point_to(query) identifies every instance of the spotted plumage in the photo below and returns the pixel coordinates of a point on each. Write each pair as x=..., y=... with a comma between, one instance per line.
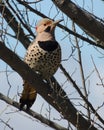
x=43, y=56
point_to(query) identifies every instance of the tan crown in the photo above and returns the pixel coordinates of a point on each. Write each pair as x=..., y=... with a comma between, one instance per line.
x=44, y=23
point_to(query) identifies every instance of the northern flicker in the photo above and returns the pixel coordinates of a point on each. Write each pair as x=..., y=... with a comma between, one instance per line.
x=43, y=56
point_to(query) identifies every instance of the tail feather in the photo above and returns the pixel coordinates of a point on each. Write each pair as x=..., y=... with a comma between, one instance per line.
x=28, y=96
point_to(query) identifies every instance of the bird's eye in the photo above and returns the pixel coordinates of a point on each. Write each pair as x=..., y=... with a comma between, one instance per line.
x=45, y=24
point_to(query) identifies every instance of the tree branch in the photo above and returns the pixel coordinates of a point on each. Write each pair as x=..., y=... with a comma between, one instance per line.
x=80, y=93
x=58, y=100
x=11, y=20
x=60, y=26
x=32, y=113
x=14, y=24
x=21, y=21
x=84, y=19
x=81, y=70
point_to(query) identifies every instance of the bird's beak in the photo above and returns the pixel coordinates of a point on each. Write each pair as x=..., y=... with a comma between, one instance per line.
x=54, y=24
x=57, y=21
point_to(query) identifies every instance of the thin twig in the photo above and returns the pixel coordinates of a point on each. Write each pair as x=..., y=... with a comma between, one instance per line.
x=101, y=80
x=36, y=1
x=6, y=124
x=26, y=27
x=81, y=70
x=7, y=78
x=80, y=93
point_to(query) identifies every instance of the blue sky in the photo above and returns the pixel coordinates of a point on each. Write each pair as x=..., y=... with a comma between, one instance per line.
x=19, y=120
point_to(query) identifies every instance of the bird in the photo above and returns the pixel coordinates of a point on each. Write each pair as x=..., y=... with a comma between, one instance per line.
x=43, y=56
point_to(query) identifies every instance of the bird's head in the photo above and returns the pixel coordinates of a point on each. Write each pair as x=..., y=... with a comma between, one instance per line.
x=46, y=25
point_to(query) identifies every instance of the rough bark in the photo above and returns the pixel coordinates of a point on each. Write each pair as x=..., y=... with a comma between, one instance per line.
x=84, y=19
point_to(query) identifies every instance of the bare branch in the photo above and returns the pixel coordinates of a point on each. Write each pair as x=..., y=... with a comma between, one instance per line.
x=21, y=21
x=6, y=124
x=11, y=20
x=81, y=70
x=31, y=113
x=37, y=1
x=22, y=36
x=101, y=80
x=89, y=24
x=80, y=93
x=61, y=26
